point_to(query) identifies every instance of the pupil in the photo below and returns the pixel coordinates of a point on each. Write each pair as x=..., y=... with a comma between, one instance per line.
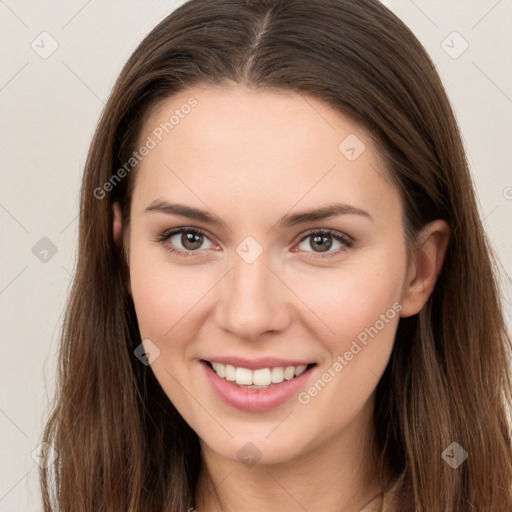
x=191, y=241
x=323, y=242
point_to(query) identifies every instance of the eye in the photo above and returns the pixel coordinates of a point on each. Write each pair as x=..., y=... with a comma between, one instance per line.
x=321, y=241
x=191, y=239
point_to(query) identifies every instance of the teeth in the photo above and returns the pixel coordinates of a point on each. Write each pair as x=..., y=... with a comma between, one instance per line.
x=300, y=369
x=277, y=375
x=229, y=371
x=289, y=372
x=243, y=376
x=260, y=378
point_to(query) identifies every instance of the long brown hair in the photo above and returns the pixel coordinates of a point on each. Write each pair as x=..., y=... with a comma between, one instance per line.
x=121, y=444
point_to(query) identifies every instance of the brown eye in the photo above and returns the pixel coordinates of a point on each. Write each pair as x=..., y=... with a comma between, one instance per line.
x=184, y=241
x=191, y=241
x=321, y=241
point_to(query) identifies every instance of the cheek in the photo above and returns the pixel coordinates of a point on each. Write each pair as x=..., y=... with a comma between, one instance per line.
x=347, y=300
x=163, y=293
x=361, y=311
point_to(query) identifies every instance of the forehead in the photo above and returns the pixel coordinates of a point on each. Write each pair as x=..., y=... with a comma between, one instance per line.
x=275, y=147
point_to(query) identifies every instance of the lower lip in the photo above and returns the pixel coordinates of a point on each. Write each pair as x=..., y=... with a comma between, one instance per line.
x=255, y=400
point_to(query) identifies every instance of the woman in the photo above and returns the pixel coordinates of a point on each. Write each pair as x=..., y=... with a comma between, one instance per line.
x=213, y=358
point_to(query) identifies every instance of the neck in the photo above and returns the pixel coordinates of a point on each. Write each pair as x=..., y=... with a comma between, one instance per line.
x=339, y=476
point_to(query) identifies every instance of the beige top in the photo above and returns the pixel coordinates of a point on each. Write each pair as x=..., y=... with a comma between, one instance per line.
x=376, y=505
x=381, y=503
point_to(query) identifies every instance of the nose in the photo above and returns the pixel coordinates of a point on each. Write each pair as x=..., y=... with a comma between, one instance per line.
x=252, y=300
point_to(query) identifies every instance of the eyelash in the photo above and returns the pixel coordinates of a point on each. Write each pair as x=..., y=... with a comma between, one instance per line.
x=342, y=239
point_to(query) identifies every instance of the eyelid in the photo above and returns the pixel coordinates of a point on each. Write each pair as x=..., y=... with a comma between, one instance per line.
x=174, y=231
x=332, y=232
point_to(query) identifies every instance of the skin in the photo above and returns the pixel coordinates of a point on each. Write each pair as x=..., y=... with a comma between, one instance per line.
x=249, y=157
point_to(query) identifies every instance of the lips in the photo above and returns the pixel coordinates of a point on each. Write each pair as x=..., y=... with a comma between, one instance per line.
x=256, y=364
x=255, y=398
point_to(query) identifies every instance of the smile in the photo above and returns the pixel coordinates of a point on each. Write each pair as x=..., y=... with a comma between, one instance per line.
x=255, y=390
x=262, y=378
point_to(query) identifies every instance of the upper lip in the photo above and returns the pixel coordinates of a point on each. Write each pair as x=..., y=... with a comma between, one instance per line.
x=256, y=364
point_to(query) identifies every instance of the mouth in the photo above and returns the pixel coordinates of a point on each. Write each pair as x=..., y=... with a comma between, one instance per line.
x=261, y=378
x=253, y=390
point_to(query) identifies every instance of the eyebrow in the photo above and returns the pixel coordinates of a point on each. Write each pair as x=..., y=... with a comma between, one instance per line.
x=286, y=221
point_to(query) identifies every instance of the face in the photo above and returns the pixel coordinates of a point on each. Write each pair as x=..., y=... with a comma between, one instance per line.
x=255, y=283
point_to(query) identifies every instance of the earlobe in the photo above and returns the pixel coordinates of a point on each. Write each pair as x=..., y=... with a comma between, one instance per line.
x=117, y=229
x=425, y=265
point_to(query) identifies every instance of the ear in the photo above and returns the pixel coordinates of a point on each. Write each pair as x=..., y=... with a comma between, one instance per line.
x=425, y=265
x=117, y=228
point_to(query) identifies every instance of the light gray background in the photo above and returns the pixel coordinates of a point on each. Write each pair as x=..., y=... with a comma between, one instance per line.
x=49, y=109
